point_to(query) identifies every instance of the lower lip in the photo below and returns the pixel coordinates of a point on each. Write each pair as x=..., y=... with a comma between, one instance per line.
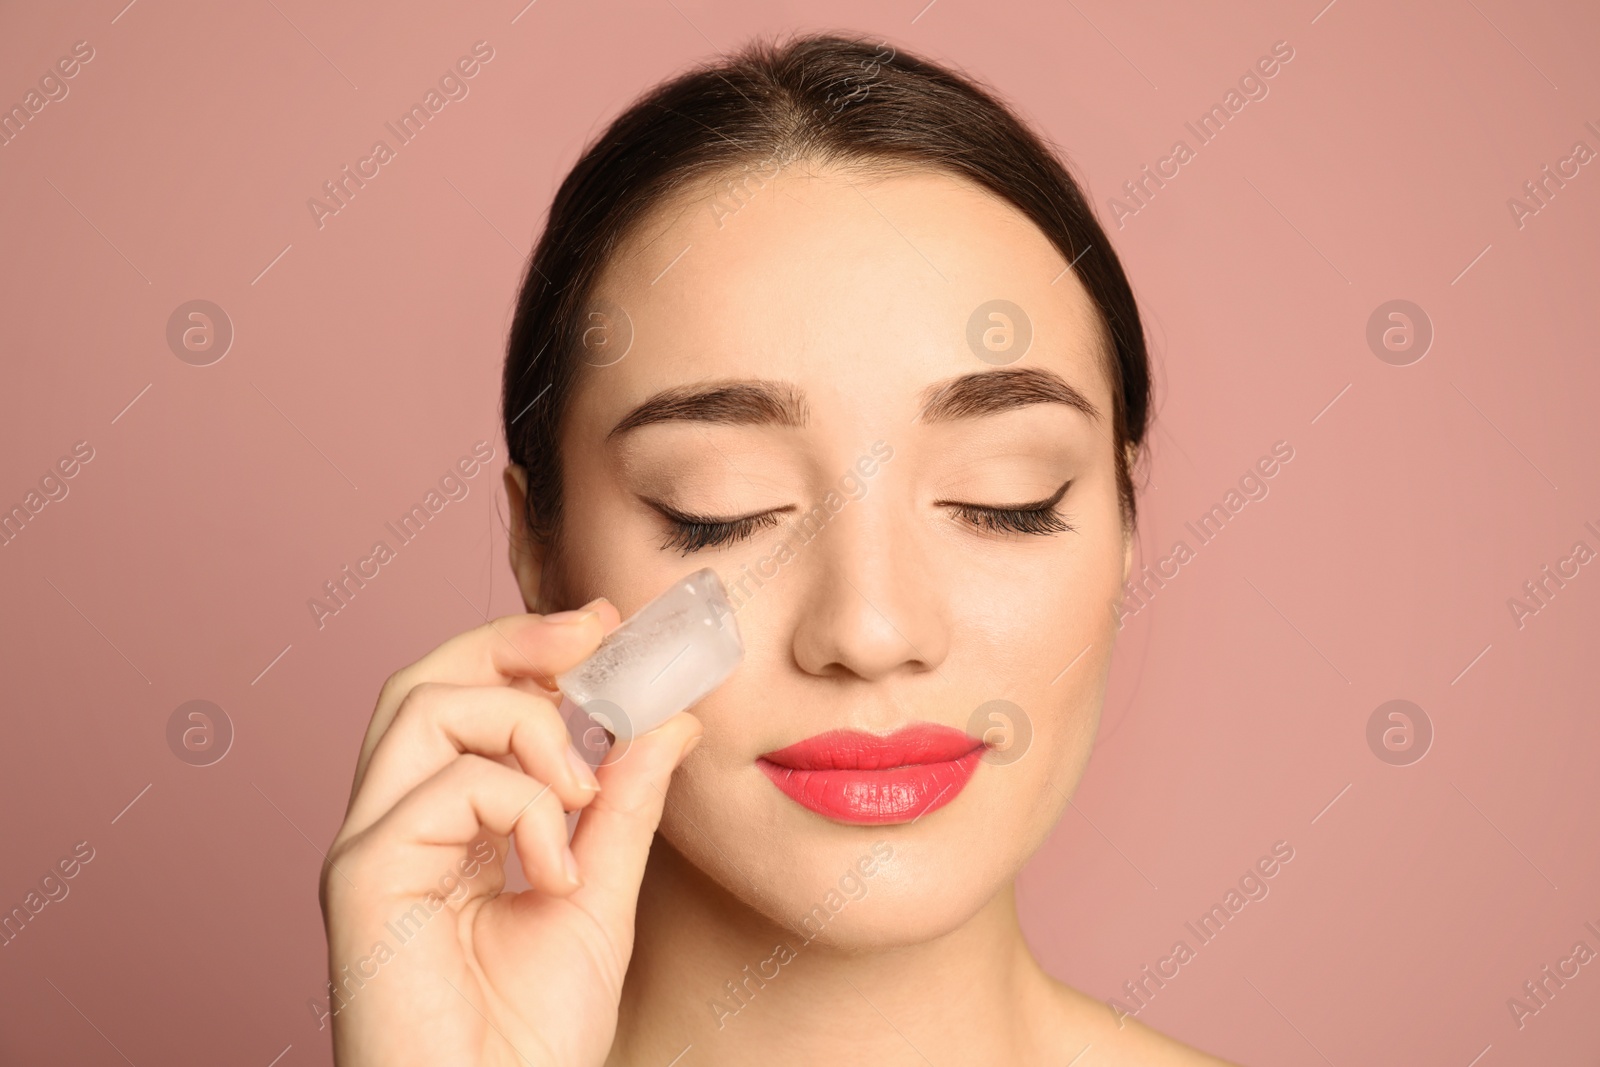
x=892, y=795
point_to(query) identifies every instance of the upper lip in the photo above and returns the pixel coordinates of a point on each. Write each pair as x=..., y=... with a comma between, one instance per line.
x=856, y=750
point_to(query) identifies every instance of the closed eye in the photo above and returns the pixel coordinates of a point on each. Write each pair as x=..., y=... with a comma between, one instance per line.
x=1037, y=518
x=693, y=533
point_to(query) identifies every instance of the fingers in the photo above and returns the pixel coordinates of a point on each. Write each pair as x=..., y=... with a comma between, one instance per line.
x=458, y=804
x=437, y=722
x=515, y=648
x=429, y=778
x=612, y=841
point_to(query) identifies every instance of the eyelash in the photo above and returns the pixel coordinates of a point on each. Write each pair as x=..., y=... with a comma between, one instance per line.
x=1036, y=521
x=692, y=534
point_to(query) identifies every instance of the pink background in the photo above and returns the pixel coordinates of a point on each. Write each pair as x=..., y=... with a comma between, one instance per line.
x=366, y=361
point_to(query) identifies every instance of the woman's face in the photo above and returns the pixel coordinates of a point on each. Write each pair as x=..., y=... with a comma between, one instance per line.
x=919, y=593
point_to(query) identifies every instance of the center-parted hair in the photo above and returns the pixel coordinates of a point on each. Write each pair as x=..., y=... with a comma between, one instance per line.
x=832, y=99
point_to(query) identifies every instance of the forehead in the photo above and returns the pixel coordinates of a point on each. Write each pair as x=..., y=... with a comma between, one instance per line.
x=858, y=289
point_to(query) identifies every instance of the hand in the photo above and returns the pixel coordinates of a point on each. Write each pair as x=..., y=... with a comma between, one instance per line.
x=431, y=962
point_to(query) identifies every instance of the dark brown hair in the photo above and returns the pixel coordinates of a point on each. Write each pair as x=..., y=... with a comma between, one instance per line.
x=839, y=100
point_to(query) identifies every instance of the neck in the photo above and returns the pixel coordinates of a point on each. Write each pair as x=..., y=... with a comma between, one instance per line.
x=708, y=971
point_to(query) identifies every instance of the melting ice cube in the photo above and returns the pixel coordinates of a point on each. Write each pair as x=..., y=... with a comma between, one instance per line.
x=661, y=660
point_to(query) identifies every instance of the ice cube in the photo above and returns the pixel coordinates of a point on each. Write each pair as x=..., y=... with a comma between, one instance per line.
x=662, y=659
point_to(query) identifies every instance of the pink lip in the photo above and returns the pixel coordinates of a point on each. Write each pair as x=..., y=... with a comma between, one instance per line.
x=857, y=777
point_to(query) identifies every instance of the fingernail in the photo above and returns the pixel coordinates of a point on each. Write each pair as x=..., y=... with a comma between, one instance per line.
x=582, y=775
x=569, y=866
x=571, y=618
x=688, y=748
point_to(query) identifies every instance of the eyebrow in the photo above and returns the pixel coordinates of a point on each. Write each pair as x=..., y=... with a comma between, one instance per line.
x=761, y=402
x=991, y=392
x=743, y=402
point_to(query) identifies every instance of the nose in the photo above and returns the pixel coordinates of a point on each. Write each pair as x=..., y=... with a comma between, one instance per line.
x=873, y=605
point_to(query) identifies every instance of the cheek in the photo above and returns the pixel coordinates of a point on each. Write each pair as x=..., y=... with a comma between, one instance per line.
x=1033, y=623
x=1045, y=644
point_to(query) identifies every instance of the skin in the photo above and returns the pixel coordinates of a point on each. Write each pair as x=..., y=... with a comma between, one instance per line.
x=855, y=290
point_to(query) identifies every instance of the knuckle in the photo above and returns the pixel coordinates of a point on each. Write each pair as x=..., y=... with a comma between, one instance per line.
x=501, y=628
x=541, y=717
x=322, y=888
x=394, y=687
x=420, y=700
x=643, y=811
x=343, y=857
x=474, y=770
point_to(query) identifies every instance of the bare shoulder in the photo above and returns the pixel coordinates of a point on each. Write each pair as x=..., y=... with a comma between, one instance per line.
x=1072, y=1017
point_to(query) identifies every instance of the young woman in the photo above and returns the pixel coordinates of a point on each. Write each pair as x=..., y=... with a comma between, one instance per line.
x=830, y=320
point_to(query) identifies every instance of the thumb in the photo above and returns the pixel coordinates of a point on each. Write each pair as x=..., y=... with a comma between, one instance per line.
x=612, y=840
